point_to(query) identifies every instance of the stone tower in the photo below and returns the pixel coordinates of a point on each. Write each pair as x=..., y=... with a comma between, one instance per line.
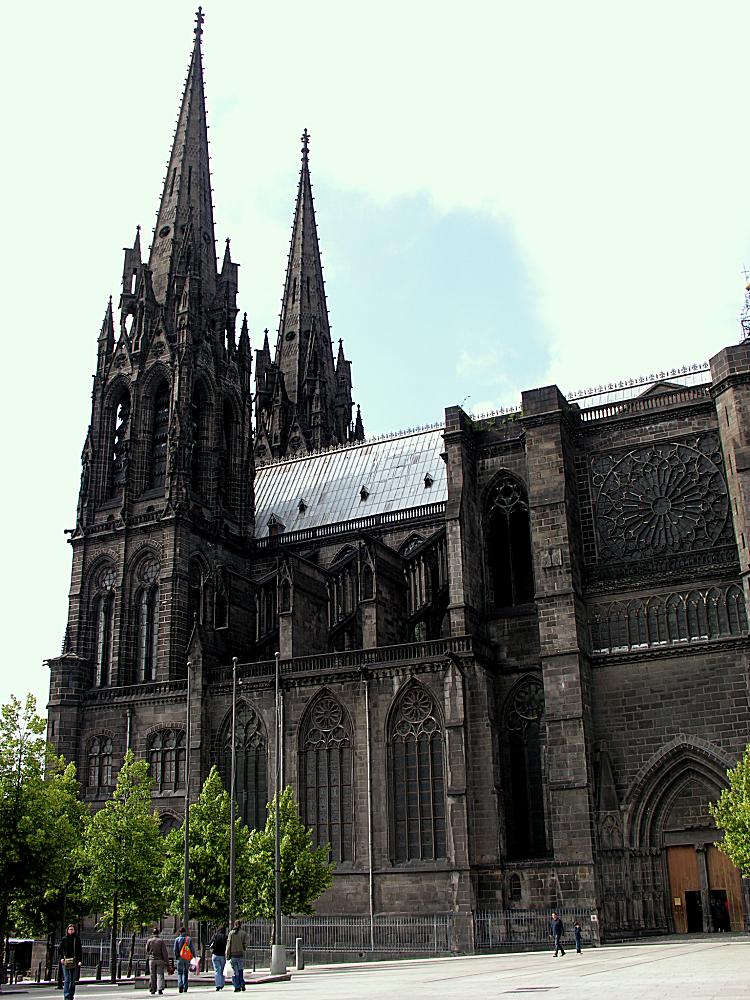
x=303, y=401
x=166, y=497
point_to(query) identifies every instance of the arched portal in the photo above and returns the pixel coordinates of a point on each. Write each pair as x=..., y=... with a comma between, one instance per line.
x=667, y=820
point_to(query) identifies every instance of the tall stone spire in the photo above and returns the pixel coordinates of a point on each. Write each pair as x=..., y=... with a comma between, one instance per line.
x=303, y=401
x=303, y=348
x=184, y=235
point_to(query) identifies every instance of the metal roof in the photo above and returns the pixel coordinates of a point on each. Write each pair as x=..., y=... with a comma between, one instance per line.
x=329, y=483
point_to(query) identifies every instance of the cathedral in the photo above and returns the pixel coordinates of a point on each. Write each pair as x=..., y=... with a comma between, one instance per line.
x=513, y=649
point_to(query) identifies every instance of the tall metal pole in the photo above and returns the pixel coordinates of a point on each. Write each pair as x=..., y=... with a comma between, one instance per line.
x=277, y=844
x=278, y=951
x=233, y=781
x=186, y=889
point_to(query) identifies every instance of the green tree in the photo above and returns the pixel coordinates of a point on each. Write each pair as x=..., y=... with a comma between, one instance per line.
x=209, y=857
x=305, y=870
x=40, y=823
x=122, y=855
x=732, y=815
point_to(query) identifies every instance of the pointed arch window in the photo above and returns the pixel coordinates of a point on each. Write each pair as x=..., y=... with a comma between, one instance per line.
x=199, y=430
x=417, y=778
x=99, y=760
x=325, y=769
x=524, y=771
x=251, y=787
x=118, y=472
x=147, y=609
x=159, y=437
x=166, y=759
x=103, y=615
x=227, y=454
x=196, y=592
x=508, y=539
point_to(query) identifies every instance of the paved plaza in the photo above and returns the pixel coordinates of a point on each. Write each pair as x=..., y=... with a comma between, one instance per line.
x=673, y=969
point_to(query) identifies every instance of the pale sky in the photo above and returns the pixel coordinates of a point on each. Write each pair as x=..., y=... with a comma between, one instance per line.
x=508, y=194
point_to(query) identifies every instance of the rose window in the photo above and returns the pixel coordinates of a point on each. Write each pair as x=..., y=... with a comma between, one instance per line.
x=660, y=499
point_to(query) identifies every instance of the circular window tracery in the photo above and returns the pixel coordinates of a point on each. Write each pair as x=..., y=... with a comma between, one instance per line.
x=149, y=571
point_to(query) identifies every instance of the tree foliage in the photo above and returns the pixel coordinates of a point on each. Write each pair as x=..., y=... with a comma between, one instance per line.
x=122, y=852
x=40, y=822
x=209, y=857
x=305, y=870
x=732, y=815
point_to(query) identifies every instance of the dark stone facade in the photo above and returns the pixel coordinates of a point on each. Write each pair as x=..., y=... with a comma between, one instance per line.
x=518, y=681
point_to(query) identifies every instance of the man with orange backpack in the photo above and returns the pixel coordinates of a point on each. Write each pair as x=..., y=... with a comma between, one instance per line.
x=183, y=952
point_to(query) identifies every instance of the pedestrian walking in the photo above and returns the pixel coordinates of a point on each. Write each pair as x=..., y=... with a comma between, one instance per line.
x=158, y=960
x=236, y=944
x=183, y=952
x=218, y=948
x=71, y=958
x=557, y=930
x=577, y=935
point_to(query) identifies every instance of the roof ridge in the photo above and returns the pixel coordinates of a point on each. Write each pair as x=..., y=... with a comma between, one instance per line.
x=376, y=438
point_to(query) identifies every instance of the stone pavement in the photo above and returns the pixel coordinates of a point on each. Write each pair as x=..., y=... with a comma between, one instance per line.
x=711, y=967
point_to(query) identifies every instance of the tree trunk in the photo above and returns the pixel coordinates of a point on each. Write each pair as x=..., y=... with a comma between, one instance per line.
x=3, y=925
x=113, y=944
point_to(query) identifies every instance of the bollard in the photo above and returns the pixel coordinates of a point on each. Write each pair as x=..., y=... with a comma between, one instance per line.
x=39, y=973
x=59, y=985
x=119, y=969
x=299, y=957
x=253, y=961
x=98, y=975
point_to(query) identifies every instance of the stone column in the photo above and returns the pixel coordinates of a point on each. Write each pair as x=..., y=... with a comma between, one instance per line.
x=566, y=670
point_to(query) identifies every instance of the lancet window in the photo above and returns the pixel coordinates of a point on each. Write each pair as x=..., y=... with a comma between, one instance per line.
x=159, y=437
x=147, y=607
x=325, y=769
x=104, y=615
x=508, y=541
x=417, y=777
x=251, y=762
x=118, y=472
x=524, y=771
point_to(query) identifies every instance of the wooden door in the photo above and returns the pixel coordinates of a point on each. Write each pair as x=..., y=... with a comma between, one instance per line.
x=723, y=875
x=683, y=877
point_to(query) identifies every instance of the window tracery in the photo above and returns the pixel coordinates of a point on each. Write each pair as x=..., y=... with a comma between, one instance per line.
x=166, y=758
x=661, y=498
x=524, y=767
x=147, y=604
x=99, y=760
x=104, y=613
x=159, y=437
x=251, y=760
x=508, y=541
x=325, y=768
x=417, y=778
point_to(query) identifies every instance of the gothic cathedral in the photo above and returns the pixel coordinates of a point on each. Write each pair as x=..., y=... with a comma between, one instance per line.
x=514, y=650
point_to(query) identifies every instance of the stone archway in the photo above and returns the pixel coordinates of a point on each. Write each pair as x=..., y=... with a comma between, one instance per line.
x=667, y=820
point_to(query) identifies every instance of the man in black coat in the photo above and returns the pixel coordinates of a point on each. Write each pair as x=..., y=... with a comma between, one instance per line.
x=557, y=930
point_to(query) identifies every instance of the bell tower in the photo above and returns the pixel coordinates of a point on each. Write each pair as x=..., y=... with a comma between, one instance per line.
x=166, y=506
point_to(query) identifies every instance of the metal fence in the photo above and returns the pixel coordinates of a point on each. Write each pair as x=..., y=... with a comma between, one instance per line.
x=495, y=930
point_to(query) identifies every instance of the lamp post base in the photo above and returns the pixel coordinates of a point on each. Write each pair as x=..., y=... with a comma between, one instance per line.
x=278, y=960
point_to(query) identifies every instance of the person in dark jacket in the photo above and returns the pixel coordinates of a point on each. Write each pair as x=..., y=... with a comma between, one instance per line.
x=71, y=957
x=218, y=948
x=557, y=930
x=183, y=962
x=158, y=955
x=577, y=934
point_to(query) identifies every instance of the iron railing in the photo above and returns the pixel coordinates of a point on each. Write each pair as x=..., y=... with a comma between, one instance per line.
x=497, y=930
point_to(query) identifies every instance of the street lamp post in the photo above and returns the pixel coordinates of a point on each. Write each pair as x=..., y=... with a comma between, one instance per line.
x=232, y=780
x=186, y=887
x=278, y=951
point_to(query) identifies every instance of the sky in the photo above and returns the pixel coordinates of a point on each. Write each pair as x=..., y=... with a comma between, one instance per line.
x=507, y=195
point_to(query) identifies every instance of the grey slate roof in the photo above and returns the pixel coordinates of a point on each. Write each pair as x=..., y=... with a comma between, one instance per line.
x=392, y=470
